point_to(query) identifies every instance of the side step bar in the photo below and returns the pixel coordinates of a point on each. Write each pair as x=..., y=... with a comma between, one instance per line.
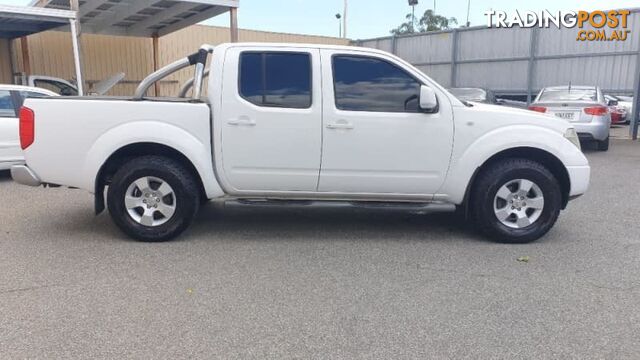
x=433, y=207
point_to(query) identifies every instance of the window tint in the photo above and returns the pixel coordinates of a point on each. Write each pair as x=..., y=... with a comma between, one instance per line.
x=367, y=84
x=6, y=104
x=276, y=79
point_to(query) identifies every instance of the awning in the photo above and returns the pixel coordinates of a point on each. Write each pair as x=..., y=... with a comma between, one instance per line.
x=142, y=18
x=17, y=21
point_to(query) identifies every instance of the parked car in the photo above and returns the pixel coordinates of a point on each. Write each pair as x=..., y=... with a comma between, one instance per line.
x=621, y=107
x=484, y=96
x=306, y=124
x=583, y=106
x=65, y=88
x=474, y=95
x=11, y=99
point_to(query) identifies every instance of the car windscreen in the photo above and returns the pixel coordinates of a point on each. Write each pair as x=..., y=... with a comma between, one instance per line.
x=467, y=94
x=569, y=95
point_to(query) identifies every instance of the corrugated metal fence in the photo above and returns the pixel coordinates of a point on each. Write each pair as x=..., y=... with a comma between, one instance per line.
x=521, y=60
x=515, y=60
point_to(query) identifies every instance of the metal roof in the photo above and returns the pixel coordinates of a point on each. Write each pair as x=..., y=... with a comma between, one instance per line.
x=142, y=18
x=17, y=21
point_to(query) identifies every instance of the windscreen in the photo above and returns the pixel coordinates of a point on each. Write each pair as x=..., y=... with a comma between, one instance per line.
x=467, y=94
x=569, y=95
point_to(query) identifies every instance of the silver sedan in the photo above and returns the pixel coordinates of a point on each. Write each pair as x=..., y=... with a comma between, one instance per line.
x=584, y=106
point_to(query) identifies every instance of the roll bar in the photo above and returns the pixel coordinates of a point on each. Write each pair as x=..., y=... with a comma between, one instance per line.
x=189, y=83
x=199, y=59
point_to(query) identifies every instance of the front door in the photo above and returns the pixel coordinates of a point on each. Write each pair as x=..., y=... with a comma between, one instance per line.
x=271, y=120
x=376, y=138
x=9, y=137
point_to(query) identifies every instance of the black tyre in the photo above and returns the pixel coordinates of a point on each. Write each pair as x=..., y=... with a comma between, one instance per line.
x=603, y=145
x=515, y=201
x=153, y=198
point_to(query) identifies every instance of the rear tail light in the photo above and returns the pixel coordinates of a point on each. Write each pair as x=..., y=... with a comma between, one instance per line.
x=27, y=127
x=541, y=109
x=596, y=110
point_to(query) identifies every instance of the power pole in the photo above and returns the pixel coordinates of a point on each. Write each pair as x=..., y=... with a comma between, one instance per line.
x=344, y=18
x=468, y=11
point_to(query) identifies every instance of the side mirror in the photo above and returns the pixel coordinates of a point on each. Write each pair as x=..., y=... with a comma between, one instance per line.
x=428, y=99
x=613, y=102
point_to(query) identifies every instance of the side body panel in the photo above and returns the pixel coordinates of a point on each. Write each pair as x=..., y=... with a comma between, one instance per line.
x=73, y=138
x=482, y=132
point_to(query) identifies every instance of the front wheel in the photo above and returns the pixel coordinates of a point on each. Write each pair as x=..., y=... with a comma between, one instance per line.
x=516, y=201
x=153, y=198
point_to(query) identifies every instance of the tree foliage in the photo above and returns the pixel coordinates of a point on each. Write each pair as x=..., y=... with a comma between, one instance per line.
x=429, y=21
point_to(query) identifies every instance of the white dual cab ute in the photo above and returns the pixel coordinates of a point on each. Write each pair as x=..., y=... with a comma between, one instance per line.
x=304, y=124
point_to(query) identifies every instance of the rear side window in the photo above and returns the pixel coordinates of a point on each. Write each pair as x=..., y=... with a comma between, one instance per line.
x=369, y=84
x=7, y=108
x=276, y=79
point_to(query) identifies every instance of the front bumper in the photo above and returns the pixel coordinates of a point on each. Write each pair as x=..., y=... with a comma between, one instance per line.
x=25, y=176
x=579, y=176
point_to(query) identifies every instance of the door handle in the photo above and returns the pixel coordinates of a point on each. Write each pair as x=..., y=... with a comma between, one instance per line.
x=340, y=125
x=242, y=122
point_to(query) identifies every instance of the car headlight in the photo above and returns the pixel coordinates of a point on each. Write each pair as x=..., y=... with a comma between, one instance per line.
x=572, y=136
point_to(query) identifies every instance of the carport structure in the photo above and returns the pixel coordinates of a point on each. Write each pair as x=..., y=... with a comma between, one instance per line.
x=138, y=18
x=20, y=21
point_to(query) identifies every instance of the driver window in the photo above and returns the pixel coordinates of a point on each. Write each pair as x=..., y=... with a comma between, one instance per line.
x=370, y=84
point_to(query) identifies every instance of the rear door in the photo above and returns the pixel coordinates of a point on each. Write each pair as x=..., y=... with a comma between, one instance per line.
x=271, y=119
x=9, y=138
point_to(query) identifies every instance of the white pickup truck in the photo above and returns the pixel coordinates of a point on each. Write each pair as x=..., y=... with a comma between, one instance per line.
x=304, y=124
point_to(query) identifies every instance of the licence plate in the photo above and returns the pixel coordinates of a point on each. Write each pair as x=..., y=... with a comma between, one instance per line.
x=565, y=115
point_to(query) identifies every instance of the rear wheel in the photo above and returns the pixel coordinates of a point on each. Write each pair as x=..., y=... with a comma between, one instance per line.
x=153, y=198
x=603, y=145
x=516, y=201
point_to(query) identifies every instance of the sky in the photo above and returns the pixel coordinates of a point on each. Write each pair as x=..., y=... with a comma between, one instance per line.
x=375, y=18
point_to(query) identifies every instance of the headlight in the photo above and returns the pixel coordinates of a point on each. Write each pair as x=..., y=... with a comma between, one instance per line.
x=572, y=136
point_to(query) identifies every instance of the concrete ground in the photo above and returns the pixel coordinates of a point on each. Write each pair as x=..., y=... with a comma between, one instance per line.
x=278, y=283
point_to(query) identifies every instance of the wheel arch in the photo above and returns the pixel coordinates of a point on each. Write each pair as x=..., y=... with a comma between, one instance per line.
x=130, y=151
x=543, y=157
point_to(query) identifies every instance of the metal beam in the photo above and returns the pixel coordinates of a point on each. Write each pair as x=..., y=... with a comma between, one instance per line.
x=233, y=24
x=167, y=14
x=533, y=48
x=36, y=13
x=635, y=111
x=454, y=58
x=156, y=64
x=21, y=28
x=77, y=46
x=122, y=11
x=26, y=61
x=90, y=6
x=215, y=11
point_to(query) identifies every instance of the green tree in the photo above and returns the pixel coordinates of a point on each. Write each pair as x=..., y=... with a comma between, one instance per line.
x=429, y=21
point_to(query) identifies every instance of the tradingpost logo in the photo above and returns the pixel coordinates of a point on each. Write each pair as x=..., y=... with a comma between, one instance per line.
x=605, y=25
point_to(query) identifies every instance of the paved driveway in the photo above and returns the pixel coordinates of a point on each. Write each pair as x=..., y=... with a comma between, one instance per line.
x=318, y=283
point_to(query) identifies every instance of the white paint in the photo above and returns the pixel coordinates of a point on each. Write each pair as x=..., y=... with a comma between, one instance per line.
x=291, y=153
